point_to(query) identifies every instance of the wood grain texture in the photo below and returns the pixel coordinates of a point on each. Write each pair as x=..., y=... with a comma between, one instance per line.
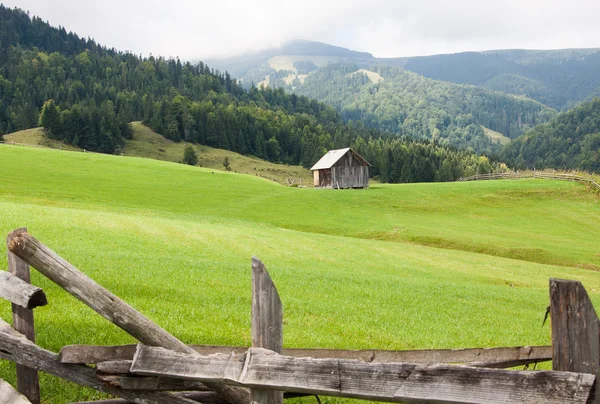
x=151, y=383
x=472, y=356
x=8, y=395
x=458, y=384
x=21, y=293
x=575, y=330
x=28, y=382
x=394, y=382
x=267, y=324
x=104, y=302
x=120, y=367
x=16, y=348
x=197, y=396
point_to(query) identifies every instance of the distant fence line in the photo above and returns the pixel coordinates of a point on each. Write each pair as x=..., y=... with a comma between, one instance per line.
x=515, y=175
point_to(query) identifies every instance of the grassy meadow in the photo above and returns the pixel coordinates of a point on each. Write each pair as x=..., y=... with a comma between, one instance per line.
x=497, y=137
x=390, y=267
x=149, y=144
x=35, y=137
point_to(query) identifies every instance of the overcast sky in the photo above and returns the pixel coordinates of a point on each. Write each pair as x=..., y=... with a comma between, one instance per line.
x=196, y=29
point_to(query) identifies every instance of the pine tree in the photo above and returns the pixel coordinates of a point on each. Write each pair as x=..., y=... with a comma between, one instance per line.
x=51, y=121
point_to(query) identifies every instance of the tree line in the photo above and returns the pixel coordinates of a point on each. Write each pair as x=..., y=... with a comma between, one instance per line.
x=569, y=141
x=409, y=104
x=86, y=95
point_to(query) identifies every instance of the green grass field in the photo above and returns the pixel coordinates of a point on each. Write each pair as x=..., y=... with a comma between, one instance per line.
x=389, y=267
x=149, y=144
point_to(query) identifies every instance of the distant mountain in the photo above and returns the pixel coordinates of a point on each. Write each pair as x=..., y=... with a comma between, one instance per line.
x=403, y=102
x=569, y=141
x=383, y=94
x=557, y=78
x=294, y=58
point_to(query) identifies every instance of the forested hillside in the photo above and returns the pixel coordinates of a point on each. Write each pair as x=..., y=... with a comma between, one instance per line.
x=409, y=104
x=569, y=141
x=557, y=78
x=403, y=102
x=87, y=95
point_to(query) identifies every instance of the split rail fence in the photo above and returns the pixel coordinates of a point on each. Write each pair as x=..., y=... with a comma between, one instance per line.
x=514, y=175
x=162, y=369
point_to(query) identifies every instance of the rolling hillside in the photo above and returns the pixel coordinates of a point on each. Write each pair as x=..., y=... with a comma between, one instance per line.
x=149, y=144
x=160, y=235
x=403, y=102
x=570, y=141
x=297, y=57
x=384, y=94
x=91, y=108
x=558, y=78
x=35, y=137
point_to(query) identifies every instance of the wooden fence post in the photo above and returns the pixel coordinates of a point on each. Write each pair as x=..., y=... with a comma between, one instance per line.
x=575, y=330
x=10, y=395
x=28, y=382
x=105, y=303
x=267, y=324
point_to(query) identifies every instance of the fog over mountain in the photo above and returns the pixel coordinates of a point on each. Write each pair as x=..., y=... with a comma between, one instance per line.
x=386, y=28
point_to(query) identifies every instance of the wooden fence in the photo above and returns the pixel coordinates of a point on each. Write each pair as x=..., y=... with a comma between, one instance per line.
x=162, y=369
x=515, y=175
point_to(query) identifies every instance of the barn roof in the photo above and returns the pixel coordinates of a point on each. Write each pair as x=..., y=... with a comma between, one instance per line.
x=332, y=157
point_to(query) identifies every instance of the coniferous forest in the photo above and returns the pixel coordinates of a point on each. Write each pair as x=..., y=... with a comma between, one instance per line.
x=569, y=141
x=86, y=95
x=406, y=103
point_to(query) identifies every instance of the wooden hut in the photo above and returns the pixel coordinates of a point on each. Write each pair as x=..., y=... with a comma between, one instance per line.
x=343, y=168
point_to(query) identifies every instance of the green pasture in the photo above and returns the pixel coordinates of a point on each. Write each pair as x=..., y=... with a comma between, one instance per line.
x=149, y=144
x=390, y=267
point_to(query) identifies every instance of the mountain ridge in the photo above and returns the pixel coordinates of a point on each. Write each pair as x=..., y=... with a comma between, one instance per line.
x=559, y=78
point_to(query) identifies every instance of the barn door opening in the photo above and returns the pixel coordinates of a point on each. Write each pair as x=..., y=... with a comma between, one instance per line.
x=325, y=178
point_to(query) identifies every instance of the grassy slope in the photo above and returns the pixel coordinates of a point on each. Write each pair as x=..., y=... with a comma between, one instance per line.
x=149, y=144
x=497, y=137
x=373, y=76
x=175, y=241
x=35, y=137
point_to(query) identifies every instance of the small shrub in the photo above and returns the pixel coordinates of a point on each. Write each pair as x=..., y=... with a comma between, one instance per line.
x=189, y=156
x=226, y=164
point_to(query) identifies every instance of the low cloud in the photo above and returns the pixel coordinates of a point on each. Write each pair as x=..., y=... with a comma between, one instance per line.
x=386, y=28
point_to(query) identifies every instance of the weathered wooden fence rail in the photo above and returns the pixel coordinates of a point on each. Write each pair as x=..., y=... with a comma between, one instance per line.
x=478, y=357
x=162, y=369
x=515, y=175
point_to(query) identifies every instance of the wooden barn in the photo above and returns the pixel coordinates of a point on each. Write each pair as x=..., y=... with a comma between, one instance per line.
x=343, y=168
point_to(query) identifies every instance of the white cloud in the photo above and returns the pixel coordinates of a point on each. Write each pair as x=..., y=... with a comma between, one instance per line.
x=193, y=29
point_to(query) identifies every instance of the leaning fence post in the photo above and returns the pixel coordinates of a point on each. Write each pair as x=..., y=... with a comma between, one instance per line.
x=28, y=382
x=106, y=304
x=575, y=330
x=267, y=324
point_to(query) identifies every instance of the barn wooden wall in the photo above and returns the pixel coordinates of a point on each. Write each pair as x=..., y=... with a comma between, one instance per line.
x=349, y=172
